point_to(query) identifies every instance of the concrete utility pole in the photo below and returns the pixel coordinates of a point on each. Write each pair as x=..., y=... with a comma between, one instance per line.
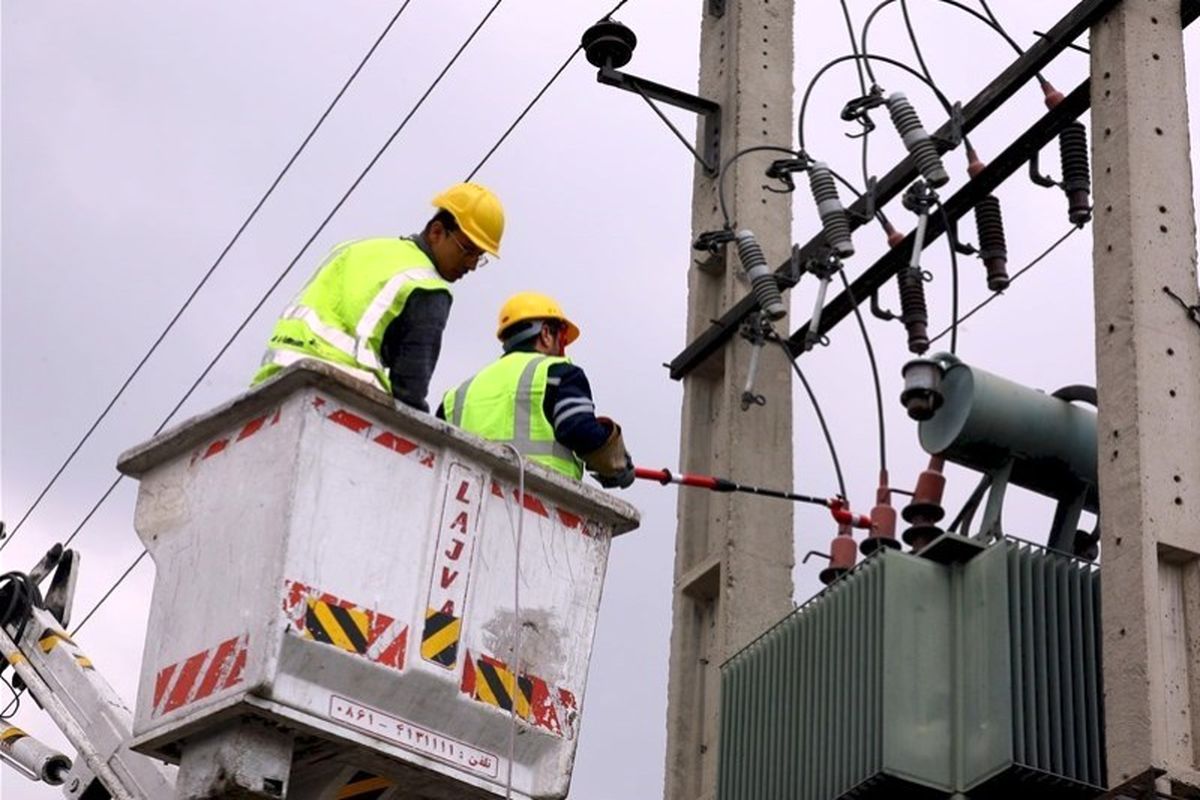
x=1148, y=367
x=733, y=555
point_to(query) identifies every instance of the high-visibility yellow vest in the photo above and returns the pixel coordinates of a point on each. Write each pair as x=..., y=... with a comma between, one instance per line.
x=341, y=315
x=503, y=403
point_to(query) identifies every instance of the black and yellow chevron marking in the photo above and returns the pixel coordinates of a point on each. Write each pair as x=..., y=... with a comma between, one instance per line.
x=439, y=641
x=494, y=686
x=364, y=786
x=84, y=662
x=347, y=628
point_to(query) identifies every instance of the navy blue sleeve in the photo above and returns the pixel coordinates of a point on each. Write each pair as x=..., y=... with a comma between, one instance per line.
x=412, y=343
x=570, y=408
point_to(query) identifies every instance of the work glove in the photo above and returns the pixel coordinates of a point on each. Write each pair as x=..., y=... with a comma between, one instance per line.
x=611, y=464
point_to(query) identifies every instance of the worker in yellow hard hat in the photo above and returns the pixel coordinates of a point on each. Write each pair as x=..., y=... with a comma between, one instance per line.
x=534, y=397
x=376, y=308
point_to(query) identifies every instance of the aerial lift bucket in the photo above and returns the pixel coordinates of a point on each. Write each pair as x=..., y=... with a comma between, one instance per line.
x=337, y=593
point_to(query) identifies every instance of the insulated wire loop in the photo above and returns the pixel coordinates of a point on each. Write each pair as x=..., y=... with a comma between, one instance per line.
x=862, y=326
x=204, y=280
x=953, y=279
x=729, y=223
x=516, y=659
x=866, y=58
x=837, y=464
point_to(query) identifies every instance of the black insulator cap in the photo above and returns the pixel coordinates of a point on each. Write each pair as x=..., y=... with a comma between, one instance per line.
x=608, y=43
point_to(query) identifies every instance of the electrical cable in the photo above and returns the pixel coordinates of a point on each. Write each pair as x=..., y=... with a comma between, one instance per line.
x=14, y=705
x=537, y=97
x=995, y=21
x=862, y=86
x=110, y=591
x=20, y=596
x=258, y=306
x=729, y=162
x=1016, y=275
x=992, y=23
x=953, y=280
x=837, y=465
x=208, y=274
x=279, y=280
x=862, y=326
x=916, y=45
x=517, y=624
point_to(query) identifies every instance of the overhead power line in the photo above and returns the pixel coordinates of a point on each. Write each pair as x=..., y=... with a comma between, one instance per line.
x=271, y=289
x=279, y=279
x=536, y=98
x=208, y=274
x=1041, y=257
x=493, y=149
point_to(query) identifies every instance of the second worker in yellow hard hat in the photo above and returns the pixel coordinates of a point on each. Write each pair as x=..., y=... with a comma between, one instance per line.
x=534, y=398
x=376, y=308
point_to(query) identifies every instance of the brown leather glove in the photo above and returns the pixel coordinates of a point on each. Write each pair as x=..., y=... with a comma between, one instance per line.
x=611, y=464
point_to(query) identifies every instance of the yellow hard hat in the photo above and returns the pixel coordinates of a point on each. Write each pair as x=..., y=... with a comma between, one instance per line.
x=533, y=305
x=478, y=212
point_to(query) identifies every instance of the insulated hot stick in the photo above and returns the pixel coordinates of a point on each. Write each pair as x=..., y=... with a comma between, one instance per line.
x=838, y=507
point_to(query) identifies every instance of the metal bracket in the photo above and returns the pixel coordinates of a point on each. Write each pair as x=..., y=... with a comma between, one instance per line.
x=859, y=110
x=709, y=154
x=1035, y=174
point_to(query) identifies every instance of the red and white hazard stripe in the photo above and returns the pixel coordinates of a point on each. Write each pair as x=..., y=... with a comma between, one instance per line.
x=542, y=508
x=200, y=675
x=376, y=434
x=270, y=419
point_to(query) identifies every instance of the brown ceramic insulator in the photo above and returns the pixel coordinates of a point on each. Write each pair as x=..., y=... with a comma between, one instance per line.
x=883, y=520
x=926, y=504
x=925, y=510
x=1051, y=95
x=974, y=165
x=894, y=237
x=843, y=553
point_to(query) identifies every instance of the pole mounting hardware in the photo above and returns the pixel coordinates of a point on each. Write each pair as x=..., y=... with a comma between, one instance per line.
x=609, y=45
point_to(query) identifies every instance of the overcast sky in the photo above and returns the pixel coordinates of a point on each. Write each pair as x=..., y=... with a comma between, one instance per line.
x=138, y=135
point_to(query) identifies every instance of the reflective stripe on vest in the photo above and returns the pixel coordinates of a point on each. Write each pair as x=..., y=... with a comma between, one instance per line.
x=341, y=315
x=548, y=452
x=285, y=358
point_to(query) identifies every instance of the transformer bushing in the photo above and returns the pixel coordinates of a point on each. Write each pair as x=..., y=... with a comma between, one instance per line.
x=883, y=520
x=843, y=554
x=925, y=511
